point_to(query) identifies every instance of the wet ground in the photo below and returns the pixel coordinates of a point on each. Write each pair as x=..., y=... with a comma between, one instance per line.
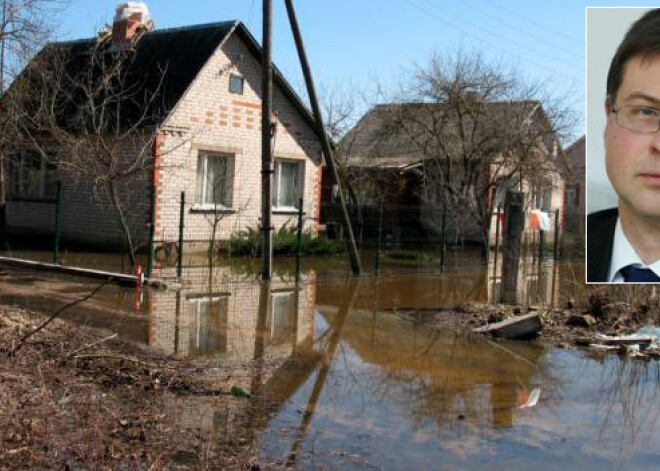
x=351, y=375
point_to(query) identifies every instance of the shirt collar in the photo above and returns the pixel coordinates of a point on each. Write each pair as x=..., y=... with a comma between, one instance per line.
x=623, y=254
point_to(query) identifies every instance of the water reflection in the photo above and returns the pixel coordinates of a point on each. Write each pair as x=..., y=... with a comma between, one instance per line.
x=215, y=310
x=348, y=373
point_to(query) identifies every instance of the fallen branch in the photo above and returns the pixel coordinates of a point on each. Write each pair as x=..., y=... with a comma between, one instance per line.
x=54, y=316
x=124, y=358
x=90, y=345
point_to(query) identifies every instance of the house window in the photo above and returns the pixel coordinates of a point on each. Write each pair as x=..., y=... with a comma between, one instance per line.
x=32, y=176
x=542, y=198
x=281, y=317
x=207, y=331
x=287, y=184
x=236, y=84
x=501, y=189
x=214, y=180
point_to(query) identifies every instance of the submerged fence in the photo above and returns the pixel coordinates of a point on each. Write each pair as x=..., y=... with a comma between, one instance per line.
x=402, y=237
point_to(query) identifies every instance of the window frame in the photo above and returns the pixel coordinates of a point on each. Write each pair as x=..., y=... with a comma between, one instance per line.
x=200, y=203
x=502, y=185
x=16, y=180
x=281, y=323
x=232, y=80
x=203, y=309
x=277, y=177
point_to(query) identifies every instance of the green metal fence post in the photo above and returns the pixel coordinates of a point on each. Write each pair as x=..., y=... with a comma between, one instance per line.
x=58, y=205
x=443, y=240
x=299, y=237
x=179, y=266
x=498, y=221
x=379, y=236
x=556, y=249
x=152, y=232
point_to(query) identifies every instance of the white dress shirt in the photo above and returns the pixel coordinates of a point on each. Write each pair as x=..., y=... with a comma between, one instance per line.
x=624, y=254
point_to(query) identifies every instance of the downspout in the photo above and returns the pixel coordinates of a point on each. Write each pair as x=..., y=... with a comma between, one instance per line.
x=155, y=153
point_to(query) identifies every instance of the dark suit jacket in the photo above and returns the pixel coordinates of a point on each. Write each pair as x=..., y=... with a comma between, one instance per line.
x=600, y=239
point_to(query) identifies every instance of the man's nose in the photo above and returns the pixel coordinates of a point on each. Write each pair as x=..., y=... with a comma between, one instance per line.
x=655, y=142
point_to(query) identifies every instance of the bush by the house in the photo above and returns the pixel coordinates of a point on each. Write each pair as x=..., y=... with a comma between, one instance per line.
x=248, y=242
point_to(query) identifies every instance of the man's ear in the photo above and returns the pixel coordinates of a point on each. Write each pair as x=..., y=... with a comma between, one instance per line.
x=608, y=106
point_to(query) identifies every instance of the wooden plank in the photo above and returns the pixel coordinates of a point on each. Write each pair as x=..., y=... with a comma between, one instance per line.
x=121, y=278
x=517, y=327
x=624, y=340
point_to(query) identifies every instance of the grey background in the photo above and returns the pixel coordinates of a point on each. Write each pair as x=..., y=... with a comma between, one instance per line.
x=605, y=30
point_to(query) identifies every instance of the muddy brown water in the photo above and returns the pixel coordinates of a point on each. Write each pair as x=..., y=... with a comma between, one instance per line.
x=354, y=378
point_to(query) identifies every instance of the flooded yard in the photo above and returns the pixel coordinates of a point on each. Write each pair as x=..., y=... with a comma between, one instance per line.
x=352, y=374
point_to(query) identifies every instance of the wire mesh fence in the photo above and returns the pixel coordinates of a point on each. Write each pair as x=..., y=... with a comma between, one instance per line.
x=393, y=237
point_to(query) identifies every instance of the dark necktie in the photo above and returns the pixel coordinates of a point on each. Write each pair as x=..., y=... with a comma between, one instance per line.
x=633, y=274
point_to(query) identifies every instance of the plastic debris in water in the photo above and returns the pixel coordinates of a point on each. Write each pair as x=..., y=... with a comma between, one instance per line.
x=532, y=399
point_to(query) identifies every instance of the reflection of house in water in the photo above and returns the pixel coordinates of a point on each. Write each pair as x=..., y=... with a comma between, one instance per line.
x=538, y=284
x=441, y=376
x=545, y=284
x=213, y=313
x=452, y=288
x=412, y=291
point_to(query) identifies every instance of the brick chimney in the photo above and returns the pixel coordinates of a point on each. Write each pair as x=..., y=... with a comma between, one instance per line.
x=129, y=16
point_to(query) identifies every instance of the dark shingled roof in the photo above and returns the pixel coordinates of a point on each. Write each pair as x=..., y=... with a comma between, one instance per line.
x=393, y=135
x=166, y=62
x=575, y=154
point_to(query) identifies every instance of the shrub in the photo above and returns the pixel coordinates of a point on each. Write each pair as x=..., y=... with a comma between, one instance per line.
x=402, y=255
x=248, y=242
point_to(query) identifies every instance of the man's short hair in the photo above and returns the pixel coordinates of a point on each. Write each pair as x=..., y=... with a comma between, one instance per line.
x=641, y=40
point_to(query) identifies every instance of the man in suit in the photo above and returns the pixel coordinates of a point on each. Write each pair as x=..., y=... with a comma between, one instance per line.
x=623, y=243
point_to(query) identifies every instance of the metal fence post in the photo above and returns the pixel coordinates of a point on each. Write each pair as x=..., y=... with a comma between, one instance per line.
x=152, y=232
x=443, y=238
x=498, y=221
x=556, y=248
x=179, y=266
x=378, y=239
x=58, y=205
x=299, y=237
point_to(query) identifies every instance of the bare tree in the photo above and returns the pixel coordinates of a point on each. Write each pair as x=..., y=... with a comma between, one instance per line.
x=24, y=27
x=214, y=196
x=87, y=111
x=465, y=126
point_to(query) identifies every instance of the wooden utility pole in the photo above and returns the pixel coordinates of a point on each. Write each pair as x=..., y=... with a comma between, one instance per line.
x=325, y=143
x=514, y=224
x=266, y=145
x=3, y=39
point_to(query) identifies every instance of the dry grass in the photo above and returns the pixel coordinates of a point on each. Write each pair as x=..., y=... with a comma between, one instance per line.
x=72, y=399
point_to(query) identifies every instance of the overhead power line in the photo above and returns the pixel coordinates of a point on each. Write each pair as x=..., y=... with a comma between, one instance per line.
x=517, y=26
x=554, y=70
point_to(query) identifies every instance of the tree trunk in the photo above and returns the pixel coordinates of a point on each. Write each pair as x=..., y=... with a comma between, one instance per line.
x=123, y=224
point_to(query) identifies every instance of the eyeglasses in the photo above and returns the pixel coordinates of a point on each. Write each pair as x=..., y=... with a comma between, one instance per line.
x=636, y=118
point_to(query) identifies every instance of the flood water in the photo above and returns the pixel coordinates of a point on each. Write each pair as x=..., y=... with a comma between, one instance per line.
x=351, y=374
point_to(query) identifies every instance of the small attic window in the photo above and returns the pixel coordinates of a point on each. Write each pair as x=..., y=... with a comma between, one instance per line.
x=236, y=84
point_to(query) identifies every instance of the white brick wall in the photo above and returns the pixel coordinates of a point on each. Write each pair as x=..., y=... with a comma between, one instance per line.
x=175, y=326
x=207, y=117
x=87, y=215
x=217, y=120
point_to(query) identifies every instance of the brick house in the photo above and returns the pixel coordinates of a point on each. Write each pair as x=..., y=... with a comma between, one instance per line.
x=399, y=153
x=575, y=195
x=205, y=140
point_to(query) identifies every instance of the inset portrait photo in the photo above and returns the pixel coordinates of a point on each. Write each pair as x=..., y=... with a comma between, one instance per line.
x=623, y=145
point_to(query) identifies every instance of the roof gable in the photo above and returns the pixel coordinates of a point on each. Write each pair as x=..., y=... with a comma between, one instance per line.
x=161, y=67
x=405, y=133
